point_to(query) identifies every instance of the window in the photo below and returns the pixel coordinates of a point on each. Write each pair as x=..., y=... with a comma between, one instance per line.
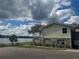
x=64, y=30
x=62, y=43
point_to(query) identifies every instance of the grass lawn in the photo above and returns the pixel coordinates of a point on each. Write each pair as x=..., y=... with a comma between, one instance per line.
x=29, y=45
x=40, y=47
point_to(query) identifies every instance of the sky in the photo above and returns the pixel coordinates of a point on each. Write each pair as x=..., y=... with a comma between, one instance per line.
x=75, y=4
x=18, y=16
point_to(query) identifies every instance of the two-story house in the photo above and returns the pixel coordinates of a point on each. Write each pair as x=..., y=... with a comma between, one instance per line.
x=56, y=35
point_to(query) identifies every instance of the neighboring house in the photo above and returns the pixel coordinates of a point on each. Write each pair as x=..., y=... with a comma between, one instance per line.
x=75, y=37
x=56, y=35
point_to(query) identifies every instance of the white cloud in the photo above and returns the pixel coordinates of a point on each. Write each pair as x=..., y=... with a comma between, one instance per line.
x=54, y=9
x=73, y=19
x=64, y=13
x=45, y=1
x=65, y=2
x=22, y=19
x=26, y=10
x=18, y=30
x=2, y=27
x=28, y=16
x=44, y=23
x=60, y=12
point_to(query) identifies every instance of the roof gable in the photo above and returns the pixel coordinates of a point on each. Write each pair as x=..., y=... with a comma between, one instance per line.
x=55, y=24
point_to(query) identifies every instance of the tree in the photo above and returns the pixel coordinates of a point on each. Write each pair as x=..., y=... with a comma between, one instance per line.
x=34, y=29
x=13, y=39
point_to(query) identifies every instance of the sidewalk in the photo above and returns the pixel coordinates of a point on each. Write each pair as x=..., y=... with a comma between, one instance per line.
x=72, y=50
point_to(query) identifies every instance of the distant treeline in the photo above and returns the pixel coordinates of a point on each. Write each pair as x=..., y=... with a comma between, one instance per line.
x=8, y=36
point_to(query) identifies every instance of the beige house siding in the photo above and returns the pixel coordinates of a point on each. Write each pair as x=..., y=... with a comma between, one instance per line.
x=55, y=31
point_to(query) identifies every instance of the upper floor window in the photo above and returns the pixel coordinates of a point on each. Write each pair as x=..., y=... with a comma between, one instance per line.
x=64, y=30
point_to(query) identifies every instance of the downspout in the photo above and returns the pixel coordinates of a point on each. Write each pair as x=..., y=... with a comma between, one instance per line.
x=71, y=38
x=43, y=41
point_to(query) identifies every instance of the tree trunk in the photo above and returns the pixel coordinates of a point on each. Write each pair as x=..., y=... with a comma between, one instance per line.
x=12, y=44
x=33, y=41
x=33, y=38
x=43, y=43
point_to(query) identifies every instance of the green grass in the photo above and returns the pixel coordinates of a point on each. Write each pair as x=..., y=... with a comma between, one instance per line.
x=5, y=45
x=40, y=47
x=29, y=45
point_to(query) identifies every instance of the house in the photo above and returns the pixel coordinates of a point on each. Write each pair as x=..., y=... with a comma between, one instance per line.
x=75, y=37
x=56, y=35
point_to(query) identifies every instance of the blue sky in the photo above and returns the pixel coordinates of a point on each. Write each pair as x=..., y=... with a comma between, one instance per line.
x=75, y=6
x=17, y=22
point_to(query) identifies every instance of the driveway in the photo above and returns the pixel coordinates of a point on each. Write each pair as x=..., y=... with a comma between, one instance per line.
x=32, y=53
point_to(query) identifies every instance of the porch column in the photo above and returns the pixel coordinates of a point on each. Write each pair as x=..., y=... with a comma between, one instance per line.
x=65, y=43
x=70, y=42
x=43, y=40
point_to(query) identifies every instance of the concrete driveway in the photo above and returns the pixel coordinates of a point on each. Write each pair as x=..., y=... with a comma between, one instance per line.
x=31, y=53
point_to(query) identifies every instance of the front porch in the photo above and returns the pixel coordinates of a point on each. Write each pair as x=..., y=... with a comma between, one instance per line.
x=54, y=42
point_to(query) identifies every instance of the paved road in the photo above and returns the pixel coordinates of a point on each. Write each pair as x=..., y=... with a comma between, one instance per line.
x=30, y=53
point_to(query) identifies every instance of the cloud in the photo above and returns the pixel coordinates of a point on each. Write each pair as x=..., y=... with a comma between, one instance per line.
x=18, y=30
x=32, y=12
x=62, y=9
x=73, y=19
x=13, y=8
x=35, y=9
x=22, y=19
x=64, y=13
x=65, y=2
